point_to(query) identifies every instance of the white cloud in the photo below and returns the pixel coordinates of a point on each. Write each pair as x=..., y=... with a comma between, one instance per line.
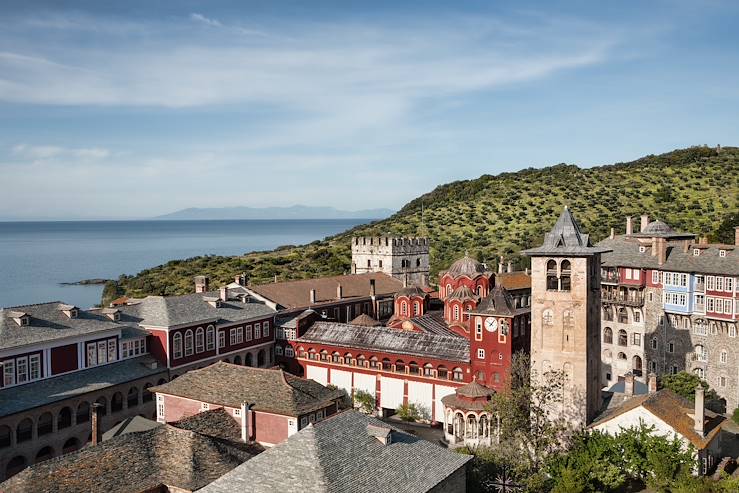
x=46, y=152
x=205, y=20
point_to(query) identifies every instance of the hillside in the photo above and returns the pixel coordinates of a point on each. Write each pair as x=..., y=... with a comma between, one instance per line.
x=292, y=212
x=694, y=189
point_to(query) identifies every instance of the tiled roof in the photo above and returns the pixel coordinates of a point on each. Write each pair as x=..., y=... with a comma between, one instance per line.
x=218, y=424
x=133, y=424
x=625, y=253
x=268, y=390
x=433, y=323
x=466, y=266
x=144, y=461
x=513, y=281
x=660, y=229
x=365, y=320
x=463, y=293
x=674, y=410
x=499, y=302
x=411, y=291
x=342, y=454
x=388, y=340
x=474, y=389
x=170, y=311
x=42, y=392
x=48, y=322
x=565, y=238
x=290, y=320
x=296, y=294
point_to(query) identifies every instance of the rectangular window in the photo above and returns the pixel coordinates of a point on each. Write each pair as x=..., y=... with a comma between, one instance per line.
x=719, y=284
x=628, y=273
x=710, y=282
x=204, y=406
x=289, y=352
x=257, y=331
x=480, y=353
x=710, y=304
x=240, y=335
x=221, y=338
x=248, y=333
x=92, y=358
x=9, y=372
x=265, y=329
x=34, y=364
x=237, y=413
x=636, y=339
x=233, y=337
x=478, y=329
x=21, y=369
x=732, y=331
x=102, y=352
x=683, y=280
x=278, y=350
x=303, y=421
x=729, y=284
x=671, y=347
x=112, y=350
x=636, y=274
x=210, y=342
x=655, y=277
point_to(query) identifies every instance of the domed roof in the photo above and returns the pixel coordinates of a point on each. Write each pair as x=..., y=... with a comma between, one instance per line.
x=463, y=293
x=411, y=291
x=657, y=227
x=466, y=266
x=474, y=389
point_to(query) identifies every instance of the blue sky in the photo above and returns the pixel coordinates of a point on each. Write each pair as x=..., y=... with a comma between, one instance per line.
x=133, y=109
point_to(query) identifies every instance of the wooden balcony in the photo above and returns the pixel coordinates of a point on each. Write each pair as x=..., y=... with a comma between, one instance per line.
x=618, y=299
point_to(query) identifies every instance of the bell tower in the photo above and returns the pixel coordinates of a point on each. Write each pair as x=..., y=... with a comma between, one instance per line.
x=565, y=316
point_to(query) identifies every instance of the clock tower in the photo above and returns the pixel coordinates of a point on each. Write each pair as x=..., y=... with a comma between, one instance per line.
x=499, y=326
x=565, y=317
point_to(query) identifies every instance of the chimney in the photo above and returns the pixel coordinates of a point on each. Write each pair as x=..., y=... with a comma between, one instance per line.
x=686, y=246
x=654, y=246
x=652, y=383
x=500, y=267
x=275, y=278
x=312, y=296
x=736, y=236
x=644, y=222
x=97, y=431
x=240, y=279
x=510, y=267
x=339, y=292
x=527, y=271
x=373, y=290
x=629, y=384
x=661, y=251
x=613, y=233
x=629, y=226
x=700, y=411
x=201, y=284
x=224, y=293
x=244, y=422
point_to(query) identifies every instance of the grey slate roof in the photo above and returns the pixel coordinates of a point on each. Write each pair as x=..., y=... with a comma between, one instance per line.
x=270, y=390
x=342, y=454
x=290, y=320
x=388, y=340
x=565, y=238
x=42, y=392
x=625, y=253
x=499, y=302
x=170, y=311
x=466, y=266
x=130, y=425
x=143, y=461
x=433, y=323
x=48, y=322
x=660, y=229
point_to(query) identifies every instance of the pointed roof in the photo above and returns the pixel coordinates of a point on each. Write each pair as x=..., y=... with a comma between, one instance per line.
x=365, y=321
x=410, y=291
x=565, y=238
x=499, y=302
x=474, y=389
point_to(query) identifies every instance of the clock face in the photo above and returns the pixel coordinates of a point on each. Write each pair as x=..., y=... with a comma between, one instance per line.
x=491, y=324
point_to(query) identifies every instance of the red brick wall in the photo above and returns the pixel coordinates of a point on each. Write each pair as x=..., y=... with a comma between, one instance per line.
x=63, y=359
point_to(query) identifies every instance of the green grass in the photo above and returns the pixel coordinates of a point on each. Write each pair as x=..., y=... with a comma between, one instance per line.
x=694, y=189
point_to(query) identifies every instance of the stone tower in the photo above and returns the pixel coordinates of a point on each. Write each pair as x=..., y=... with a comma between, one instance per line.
x=406, y=259
x=565, y=316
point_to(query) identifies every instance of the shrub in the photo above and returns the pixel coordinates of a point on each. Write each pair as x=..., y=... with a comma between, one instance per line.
x=364, y=401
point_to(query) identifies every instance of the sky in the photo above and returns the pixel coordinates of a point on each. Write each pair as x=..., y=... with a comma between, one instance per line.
x=133, y=109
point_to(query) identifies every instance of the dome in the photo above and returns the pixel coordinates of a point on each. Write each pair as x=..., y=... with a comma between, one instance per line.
x=474, y=390
x=466, y=266
x=463, y=293
x=657, y=227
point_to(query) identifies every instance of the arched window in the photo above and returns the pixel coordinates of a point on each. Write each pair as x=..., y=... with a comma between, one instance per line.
x=479, y=291
x=623, y=316
x=64, y=418
x=373, y=362
x=457, y=375
x=552, y=281
x=199, y=340
x=70, y=445
x=260, y=358
x=103, y=409
x=428, y=370
x=547, y=317
x=249, y=360
x=210, y=338
x=622, y=356
x=116, y=403
x=413, y=368
x=448, y=290
x=83, y=412
x=5, y=436
x=400, y=366
x=607, y=355
x=636, y=365
x=608, y=314
x=362, y=361
x=456, y=312
x=567, y=319
x=132, y=399
x=608, y=335
x=347, y=358
x=45, y=424
x=724, y=356
x=188, y=342
x=418, y=262
x=701, y=353
x=24, y=431
x=404, y=308
x=177, y=345
x=386, y=364
x=336, y=357
x=699, y=371
x=564, y=277
x=623, y=339
x=416, y=308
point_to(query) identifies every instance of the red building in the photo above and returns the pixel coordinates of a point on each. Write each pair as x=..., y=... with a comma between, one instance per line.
x=268, y=404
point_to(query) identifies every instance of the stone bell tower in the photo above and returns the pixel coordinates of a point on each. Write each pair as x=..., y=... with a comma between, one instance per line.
x=565, y=316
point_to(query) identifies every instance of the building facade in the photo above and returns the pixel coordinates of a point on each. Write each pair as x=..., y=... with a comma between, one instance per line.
x=406, y=259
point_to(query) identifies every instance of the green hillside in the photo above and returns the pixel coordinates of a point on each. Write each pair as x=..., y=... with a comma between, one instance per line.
x=694, y=189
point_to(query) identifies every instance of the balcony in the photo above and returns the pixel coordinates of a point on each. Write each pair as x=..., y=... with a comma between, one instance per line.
x=619, y=299
x=610, y=277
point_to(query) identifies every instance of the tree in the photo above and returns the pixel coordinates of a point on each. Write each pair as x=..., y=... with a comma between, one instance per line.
x=524, y=409
x=684, y=384
x=364, y=401
x=725, y=231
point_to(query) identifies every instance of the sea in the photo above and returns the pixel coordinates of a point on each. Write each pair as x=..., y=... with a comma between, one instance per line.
x=36, y=258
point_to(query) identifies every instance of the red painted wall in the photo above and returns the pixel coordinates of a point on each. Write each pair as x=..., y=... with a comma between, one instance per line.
x=270, y=428
x=157, y=345
x=63, y=359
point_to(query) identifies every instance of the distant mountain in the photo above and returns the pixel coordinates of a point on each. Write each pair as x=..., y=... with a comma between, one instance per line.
x=293, y=212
